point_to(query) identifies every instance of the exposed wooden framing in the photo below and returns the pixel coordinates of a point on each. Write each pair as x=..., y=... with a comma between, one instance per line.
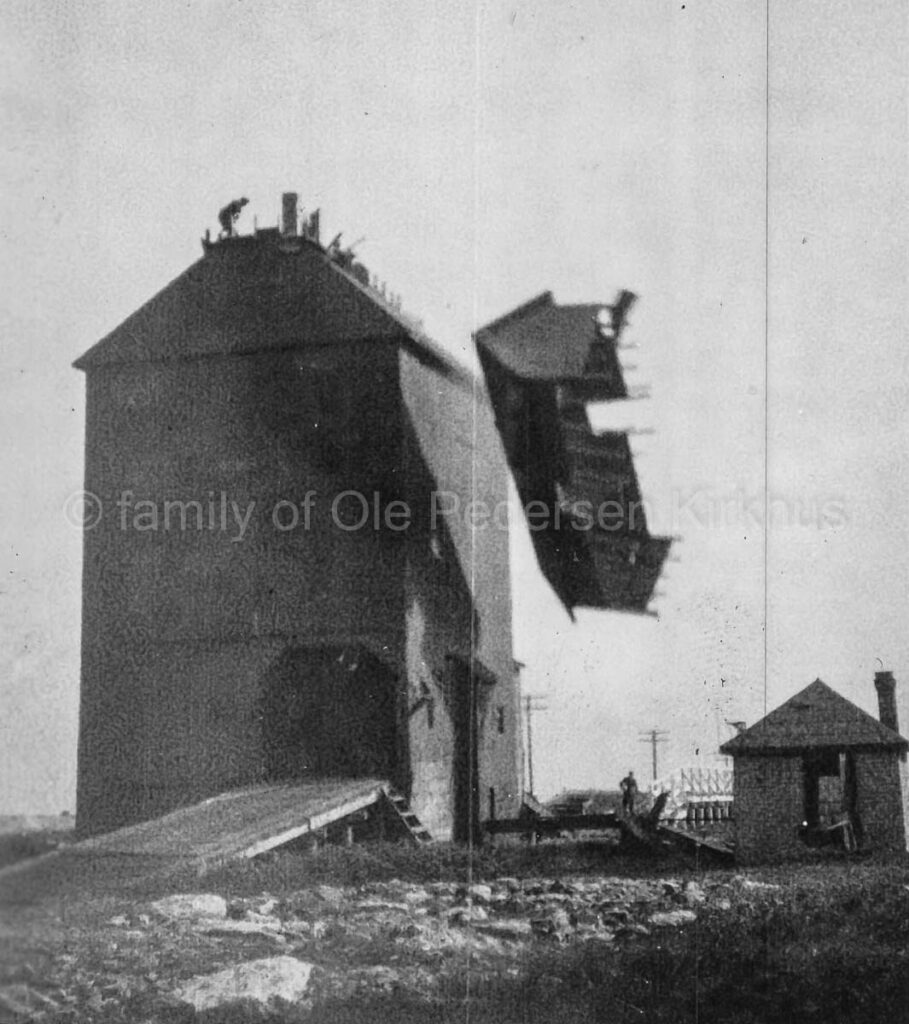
x=314, y=823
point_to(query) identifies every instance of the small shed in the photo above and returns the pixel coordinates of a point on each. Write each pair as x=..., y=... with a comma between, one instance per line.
x=819, y=767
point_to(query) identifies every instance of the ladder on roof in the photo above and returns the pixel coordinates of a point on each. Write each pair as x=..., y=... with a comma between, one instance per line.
x=405, y=817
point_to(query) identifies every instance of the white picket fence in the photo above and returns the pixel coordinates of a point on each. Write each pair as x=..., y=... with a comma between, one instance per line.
x=696, y=795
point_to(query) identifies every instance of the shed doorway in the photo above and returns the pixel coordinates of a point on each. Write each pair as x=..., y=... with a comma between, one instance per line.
x=830, y=797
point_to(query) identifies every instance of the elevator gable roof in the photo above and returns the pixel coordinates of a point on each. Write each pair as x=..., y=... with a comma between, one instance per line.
x=543, y=363
x=258, y=293
x=543, y=341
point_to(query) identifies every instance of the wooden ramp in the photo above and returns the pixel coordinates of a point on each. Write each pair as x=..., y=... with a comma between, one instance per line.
x=242, y=823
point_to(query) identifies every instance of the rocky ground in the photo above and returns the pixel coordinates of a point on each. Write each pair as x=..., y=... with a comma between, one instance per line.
x=617, y=939
x=122, y=960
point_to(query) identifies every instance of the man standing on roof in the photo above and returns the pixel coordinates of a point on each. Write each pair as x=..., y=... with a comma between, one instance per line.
x=227, y=216
x=629, y=788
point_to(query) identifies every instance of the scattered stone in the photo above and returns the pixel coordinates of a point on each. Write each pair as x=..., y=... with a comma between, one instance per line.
x=400, y=927
x=266, y=920
x=438, y=938
x=331, y=894
x=512, y=929
x=643, y=896
x=381, y=977
x=229, y=929
x=633, y=929
x=753, y=884
x=568, y=887
x=442, y=888
x=672, y=918
x=381, y=905
x=586, y=917
x=479, y=892
x=185, y=906
x=266, y=985
x=556, y=925
x=515, y=905
x=416, y=894
x=408, y=930
x=693, y=893
x=556, y=898
x=467, y=915
x=297, y=928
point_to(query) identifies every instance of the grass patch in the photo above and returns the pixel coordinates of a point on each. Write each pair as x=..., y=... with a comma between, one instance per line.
x=19, y=846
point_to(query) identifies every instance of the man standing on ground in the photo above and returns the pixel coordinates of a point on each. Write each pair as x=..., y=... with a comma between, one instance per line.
x=629, y=787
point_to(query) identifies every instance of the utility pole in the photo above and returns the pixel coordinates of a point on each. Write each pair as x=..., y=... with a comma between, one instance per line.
x=531, y=704
x=653, y=737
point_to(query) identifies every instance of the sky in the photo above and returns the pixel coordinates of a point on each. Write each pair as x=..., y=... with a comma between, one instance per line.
x=486, y=153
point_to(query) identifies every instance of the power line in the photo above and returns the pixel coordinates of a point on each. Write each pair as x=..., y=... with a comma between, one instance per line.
x=531, y=704
x=654, y=737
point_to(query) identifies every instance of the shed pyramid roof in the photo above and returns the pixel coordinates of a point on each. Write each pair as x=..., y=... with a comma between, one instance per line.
x=815, y=717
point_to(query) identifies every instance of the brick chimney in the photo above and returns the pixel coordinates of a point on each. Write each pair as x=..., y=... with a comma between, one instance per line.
x=289, y=214
x=885, y=685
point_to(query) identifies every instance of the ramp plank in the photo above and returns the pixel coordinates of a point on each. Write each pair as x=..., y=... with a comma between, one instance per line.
x=240, y=823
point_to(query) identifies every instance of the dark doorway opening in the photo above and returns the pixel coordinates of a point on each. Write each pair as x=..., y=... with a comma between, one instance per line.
x=329, y=711
x=830, y=800
x=818, y=767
